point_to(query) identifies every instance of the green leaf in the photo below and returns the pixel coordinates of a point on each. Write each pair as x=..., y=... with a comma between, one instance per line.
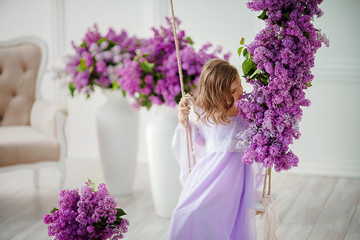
x=91, y=69
x=103, y=39
x=249, y=73
x=246, y=53
x=82, y=65
x=143, y=83
x=263, y=15
x=110, y=46
x=136, y=58
x=115, y=85
x=72, y=88
x=124, y=93
x=255, y=73
x=309, y=84
x=54, y=210
x=187, y=88
x=120, y=212
x=242, y=41
x=178, y=98
x=146, y=66
x=191, y=42
x=263, y=78
x=156, y=77
x=286, y=15
x=147, y=103
x=92, y=185
x=187, y=79
x=247, y=65
x=116, y=222
x=83, y=45
x=240, y=50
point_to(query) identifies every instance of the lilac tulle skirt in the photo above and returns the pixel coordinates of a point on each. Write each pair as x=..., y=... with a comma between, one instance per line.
x=217, y=200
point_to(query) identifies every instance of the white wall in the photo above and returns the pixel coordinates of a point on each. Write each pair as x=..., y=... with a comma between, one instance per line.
x=330, y=142
x=79, y=15
x=221, y=23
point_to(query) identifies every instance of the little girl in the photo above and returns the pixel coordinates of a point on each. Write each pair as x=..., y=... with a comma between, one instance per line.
x=219, y=192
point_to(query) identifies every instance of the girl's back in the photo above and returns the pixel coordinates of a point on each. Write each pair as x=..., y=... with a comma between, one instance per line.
x=223, y=138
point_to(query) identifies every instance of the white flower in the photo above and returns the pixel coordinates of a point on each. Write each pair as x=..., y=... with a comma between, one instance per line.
x=104, y=45
x=94, y=48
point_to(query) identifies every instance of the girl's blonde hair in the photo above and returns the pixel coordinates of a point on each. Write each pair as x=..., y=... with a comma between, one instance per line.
x=212, y=96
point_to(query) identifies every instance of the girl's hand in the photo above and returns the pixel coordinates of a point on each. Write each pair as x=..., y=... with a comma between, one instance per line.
x=184, y=110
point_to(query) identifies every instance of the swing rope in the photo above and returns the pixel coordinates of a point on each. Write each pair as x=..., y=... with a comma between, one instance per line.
x=187, y=123
x=267, y=175
x=270, y=211
x=188, y=127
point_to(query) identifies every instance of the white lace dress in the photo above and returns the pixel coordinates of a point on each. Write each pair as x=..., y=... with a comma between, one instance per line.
x=219, y=193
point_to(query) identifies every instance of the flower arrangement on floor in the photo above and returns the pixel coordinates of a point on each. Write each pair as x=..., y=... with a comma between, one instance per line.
x=96, y=59
x=88, y=214
x=152, y=76
x=277, y=65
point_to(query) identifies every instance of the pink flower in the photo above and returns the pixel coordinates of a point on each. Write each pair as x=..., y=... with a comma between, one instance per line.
x=90, y=229
x=101, y=67
x=88, y=59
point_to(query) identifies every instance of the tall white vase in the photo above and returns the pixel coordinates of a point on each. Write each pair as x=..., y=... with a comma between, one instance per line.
x=163, y=167
x=117, y=125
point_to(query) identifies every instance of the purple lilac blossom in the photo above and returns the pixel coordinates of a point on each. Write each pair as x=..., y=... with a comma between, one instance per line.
x=88, y=66
x=161, y=85
x=285, y=51
x=83, y=215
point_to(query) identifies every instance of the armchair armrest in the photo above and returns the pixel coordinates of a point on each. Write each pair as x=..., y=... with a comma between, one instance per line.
x=48, y=118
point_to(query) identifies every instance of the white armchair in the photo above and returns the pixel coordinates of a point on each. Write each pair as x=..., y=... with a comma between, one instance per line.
x=31, y=130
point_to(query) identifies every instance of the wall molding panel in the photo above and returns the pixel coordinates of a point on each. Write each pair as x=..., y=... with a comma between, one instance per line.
x=337, y=71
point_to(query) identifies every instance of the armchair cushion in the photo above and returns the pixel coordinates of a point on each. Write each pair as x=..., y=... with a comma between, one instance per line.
x=24, y=144
x=43, y=117
x=19, y=66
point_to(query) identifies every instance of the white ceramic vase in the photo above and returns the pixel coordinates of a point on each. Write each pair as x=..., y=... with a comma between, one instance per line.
x=163, y=167
x=117, y=126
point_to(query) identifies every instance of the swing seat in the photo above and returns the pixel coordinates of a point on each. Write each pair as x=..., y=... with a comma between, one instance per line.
x=259, y=209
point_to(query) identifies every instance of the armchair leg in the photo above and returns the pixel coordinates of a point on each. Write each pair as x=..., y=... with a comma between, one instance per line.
x=36, y=178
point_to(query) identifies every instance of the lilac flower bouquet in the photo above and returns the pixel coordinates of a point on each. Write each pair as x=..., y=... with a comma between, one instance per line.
x=96, y=59
x=152, y=76
x=88, y=214
x=277, y=65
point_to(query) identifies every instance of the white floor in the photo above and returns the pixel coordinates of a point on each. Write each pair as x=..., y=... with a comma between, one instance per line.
x=310, y=207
